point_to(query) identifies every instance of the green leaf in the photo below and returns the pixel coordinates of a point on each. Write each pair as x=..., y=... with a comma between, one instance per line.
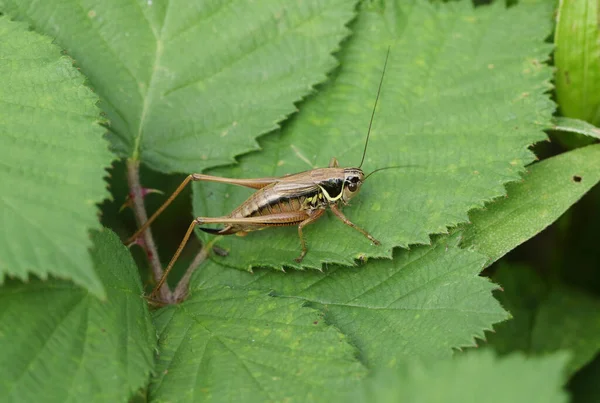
x=474, y=377
x=546, y=192
x=463, y=97
x=423, y=303
x=53, y=161
x=584, y=385
x=546, y=318
x=62, y=344
x=577, y=60
x=189, y=85
x=230, y=345
x=576, y=126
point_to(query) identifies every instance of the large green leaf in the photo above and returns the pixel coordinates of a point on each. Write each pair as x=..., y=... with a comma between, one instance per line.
x=53, y=160
x=463, y=97
x=546, y=318
x=231, y=345
x=62, y=344
x=422, y=303
x=547, y=191
x=474, y=378
x=577, y=60
x=190, y=84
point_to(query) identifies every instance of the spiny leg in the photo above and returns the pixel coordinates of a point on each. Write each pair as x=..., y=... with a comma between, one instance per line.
x=333, y=163
x=313, y=216
x=255, y=183
x=269, y=220
x=160, y=210
x=154, y=293
x=346, y=221
x=291, y=218
x=302, y=218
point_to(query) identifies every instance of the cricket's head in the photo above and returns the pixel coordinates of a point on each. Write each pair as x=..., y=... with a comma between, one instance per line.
x=353, y=179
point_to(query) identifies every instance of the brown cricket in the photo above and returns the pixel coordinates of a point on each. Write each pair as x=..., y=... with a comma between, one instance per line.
x=297, y=199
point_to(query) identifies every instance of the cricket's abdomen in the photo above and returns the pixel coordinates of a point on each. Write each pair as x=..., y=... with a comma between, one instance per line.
x=268, y=201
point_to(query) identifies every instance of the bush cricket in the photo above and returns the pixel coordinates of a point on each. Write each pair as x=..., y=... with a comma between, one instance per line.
x=297, y=199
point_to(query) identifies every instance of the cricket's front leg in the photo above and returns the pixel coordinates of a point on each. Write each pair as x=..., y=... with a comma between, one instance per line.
x=346, y=221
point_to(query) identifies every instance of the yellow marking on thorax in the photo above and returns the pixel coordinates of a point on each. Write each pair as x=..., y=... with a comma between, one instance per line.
x=328, y=197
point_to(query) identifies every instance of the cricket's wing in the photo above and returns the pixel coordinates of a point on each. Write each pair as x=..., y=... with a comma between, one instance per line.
x=306, y=183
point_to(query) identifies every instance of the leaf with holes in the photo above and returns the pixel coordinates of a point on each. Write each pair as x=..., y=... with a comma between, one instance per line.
x=463, y=97
x=547, y=191
x=53, y=161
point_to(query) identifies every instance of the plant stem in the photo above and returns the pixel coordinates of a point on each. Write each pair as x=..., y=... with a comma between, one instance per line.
x=183, y=286
x=135, y=189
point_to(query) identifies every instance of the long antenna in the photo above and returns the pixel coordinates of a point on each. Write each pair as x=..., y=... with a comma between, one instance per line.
x=392, y=167
x=374, y=107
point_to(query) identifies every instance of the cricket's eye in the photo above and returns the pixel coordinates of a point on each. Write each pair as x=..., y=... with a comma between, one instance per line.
x=352, y=186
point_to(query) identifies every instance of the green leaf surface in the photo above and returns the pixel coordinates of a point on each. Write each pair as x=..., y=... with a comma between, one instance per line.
x=575, y=126
x=546, y=192
x=546, y=318
x=230, y=345
x=463, y=97
x=53, y=160
x=423, y=303
x=62, y=344
x=473, y=378
x=190, y=84
x=577, y=60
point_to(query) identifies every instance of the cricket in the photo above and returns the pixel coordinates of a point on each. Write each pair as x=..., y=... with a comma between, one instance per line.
x=291, y=200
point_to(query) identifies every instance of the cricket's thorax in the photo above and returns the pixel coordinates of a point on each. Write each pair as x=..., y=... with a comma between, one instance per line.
x=332, y=189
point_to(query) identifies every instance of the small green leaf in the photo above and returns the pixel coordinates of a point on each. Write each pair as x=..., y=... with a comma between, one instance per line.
x=546, y=192
x=546, y=318
x=62, y=344
x=53, y=161
x=191, y=84
x=477, y=377
x=575, y=126
x=228, y=345
x=423, y=303
x=463, y=96
x=577, y=60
